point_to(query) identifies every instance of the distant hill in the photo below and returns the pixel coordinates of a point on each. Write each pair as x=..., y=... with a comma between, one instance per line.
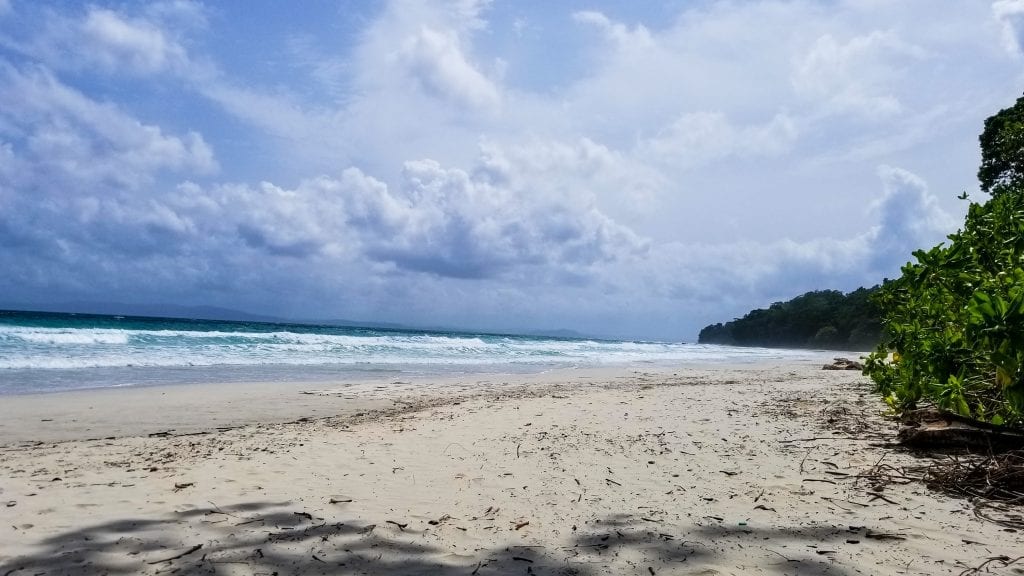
x=230, y=315
x=825, y=319
x=147, y=310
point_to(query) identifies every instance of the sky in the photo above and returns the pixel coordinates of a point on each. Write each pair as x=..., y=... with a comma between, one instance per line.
x=633, y=169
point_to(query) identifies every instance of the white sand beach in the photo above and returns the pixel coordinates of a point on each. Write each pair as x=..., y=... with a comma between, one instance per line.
x=730, y=470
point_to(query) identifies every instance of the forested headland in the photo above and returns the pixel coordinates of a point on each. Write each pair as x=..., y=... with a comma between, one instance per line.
x=827, y=319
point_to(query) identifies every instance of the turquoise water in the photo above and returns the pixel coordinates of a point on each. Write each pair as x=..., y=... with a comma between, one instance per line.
x=50, y=351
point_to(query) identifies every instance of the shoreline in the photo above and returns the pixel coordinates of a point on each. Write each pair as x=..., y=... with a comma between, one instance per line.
x=736, y=470
x=206, y=407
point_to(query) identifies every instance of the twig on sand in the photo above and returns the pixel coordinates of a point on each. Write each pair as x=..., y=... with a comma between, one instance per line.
x=185, y=553
x=806, y=456
x=786, y=558
x=877, y=496
x=1004, y=560
x=219, y=511
x=790, y=440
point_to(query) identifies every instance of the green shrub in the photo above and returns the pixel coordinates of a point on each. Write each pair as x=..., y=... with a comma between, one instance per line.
x=955, y=320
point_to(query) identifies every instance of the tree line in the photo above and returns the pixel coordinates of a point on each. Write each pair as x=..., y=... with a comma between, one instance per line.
x=827, y=319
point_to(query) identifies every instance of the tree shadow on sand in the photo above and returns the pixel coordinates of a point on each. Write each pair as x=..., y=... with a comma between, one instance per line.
x=274, y=538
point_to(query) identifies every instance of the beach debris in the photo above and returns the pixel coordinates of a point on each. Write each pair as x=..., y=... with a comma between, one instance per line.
x=175, y=557
x=878, y=496
x=400, y=526
x=178, y=486
x=931, y=428
x=883, y=535
x=1004, y=560
x=843, y=364
x=339, y=500
x=522, y=524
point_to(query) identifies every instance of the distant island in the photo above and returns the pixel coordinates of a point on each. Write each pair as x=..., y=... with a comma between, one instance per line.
x=827, y=319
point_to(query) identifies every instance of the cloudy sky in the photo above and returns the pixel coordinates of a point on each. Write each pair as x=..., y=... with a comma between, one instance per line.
x=619, y=168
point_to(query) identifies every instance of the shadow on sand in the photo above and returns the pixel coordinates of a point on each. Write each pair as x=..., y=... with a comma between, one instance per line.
x=272, y=538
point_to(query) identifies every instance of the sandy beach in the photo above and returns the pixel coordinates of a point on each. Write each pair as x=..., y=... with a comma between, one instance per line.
x=729, y=470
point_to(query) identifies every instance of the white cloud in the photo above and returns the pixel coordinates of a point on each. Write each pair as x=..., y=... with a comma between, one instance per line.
x=1010, y=15
x=116, y=42
x=620, y=34
x=719, y=156
x=435, y=60
x=909, y=218
x=697, y=138
x=856, y=75
x=83, y=142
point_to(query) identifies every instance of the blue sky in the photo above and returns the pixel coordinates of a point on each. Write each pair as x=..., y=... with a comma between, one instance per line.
x=622, y=168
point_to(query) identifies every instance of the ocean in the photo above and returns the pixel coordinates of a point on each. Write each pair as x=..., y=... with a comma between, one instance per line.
x=50, y=352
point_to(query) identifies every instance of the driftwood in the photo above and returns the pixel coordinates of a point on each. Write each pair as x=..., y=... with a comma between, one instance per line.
x=933, y=429
x=843, y=364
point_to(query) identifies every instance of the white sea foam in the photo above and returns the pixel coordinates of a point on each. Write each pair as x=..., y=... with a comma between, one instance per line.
x=63, y=336
x=41, y=348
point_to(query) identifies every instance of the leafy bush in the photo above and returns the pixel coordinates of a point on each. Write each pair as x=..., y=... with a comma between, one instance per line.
x=955, y=318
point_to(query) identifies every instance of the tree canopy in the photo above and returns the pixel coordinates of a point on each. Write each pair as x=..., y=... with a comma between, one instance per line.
x=1002, y=151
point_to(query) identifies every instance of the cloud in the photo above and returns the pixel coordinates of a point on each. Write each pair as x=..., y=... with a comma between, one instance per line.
x=434, y=59
x=854, y=76
x=75, y=141
x=116, y=42
x=697, y=138
x=458, y=226
x=909, y=218
x=745, y=274
x=1010, y=15
x=616, y=32
x=643, y=169
x=439, y=221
